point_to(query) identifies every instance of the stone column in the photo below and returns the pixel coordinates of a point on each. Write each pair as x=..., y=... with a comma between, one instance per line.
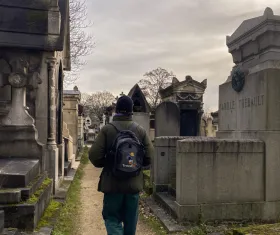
x=199, y=116
x=52, y=150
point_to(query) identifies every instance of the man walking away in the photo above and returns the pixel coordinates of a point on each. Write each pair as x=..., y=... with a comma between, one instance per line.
x=121, y=148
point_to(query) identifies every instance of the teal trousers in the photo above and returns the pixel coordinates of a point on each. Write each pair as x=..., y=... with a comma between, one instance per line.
x=120, y=213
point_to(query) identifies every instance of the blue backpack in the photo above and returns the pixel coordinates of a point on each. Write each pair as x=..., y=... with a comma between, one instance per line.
x=127, y=153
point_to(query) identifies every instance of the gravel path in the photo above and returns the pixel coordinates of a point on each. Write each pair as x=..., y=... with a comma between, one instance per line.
x=90, y=218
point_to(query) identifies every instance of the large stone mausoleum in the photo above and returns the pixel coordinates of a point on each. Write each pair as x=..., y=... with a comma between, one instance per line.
x=34, y=42
x=181, y=110
x=234, y=176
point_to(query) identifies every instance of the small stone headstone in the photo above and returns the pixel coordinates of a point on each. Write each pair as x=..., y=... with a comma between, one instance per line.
x=167, y=120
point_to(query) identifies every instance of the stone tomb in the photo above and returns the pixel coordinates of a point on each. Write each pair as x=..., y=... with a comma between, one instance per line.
x=181, y=110
x=236, y=176
x=141, y=108
x=34, y=52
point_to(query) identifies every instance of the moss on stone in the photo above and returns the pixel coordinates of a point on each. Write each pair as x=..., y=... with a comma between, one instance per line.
x=35, y=197
x=264, y=229
x=147, y=173
x=50, y=212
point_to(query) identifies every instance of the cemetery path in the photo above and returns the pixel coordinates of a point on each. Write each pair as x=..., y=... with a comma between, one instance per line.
x=90, y=217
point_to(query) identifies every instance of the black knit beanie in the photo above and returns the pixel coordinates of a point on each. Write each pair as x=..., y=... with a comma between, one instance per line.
x=124, y=105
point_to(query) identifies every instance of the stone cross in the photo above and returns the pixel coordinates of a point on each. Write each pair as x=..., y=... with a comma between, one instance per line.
x=18, y=79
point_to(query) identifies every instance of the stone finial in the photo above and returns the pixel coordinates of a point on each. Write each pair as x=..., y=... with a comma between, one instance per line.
x=76, y=88
x=175, y=80
x=268, y=12
x=204, y=82
x=188, y=78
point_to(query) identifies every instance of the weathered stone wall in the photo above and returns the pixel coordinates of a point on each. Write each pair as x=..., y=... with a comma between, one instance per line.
x=254, y=113
x=164, y=164
x=214, y=174
x=70, y=116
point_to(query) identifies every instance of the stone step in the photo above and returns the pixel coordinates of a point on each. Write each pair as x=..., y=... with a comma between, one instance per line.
x=169, y=223
x=18, y=173
x=10, y=196
x=33, y=186
x=26, y=215
x=9, y=231
x=167, y=201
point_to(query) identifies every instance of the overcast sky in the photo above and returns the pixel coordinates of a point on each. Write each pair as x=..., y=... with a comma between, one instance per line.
x=186, y=37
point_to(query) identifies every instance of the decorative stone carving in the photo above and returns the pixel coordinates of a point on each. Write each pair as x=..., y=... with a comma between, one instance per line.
x=189, y=96
x=238, y=78
x=17, y=80
x=52, y=62
x=23, y=74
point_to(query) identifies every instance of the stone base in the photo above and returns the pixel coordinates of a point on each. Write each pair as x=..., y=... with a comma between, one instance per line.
x=256, y=211
x=253, y=211
x=15, y=173
x=160, y=188
x=20, y=142
x=52, y=156
x=26, y=215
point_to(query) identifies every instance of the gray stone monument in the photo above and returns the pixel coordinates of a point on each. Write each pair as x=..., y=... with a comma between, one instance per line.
x=188, y=96
x=249, y=100
x=167, y=119
x=141, y=108
x=236, y=176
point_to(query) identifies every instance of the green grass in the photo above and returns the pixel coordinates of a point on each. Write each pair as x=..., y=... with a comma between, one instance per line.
x=66, y=224
x=264, y=229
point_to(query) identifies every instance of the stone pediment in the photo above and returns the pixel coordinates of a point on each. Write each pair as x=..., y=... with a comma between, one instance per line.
x=187, y=86
x=34, y=24
x=190, y=88
x=256, y=40
x=251, y=25
x=138, y=97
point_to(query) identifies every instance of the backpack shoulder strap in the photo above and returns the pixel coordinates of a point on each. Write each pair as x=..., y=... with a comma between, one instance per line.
x=116, y=126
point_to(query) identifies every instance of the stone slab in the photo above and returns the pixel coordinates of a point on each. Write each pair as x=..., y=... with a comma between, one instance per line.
x=167, y=202
x=250, y=211
x=15, y=173
x=33, y=186
x=29, y=4
x=167, y=221
x=11, y=231
x=167, y=119
x=220, y=177
x=258, y=98
x=26, y=216
x=20, y=142
x=10, y=196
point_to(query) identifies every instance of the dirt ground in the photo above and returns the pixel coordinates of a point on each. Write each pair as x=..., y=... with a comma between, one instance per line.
x=90, y=218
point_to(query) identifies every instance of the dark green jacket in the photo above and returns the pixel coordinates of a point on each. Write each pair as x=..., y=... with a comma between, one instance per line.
x=102, y=145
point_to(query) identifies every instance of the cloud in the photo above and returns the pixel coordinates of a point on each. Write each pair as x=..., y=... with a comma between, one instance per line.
x=186, y=37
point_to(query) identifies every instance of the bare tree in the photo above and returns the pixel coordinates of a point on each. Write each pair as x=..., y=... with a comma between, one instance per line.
x=151, y=84
x=96, y=103
x=81, y=43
